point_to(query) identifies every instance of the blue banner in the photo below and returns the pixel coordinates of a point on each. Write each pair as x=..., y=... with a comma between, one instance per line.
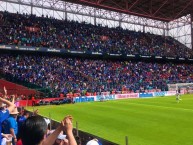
x=83, y=99
x=142, y=95
x=156, y=94
x=102, y=97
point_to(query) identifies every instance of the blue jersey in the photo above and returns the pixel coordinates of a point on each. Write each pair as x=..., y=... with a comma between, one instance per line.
x=10, y=123
x=21, y=119
x=4, y=114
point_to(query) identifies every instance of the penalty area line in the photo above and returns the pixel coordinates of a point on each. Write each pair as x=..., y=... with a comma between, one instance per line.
x=164, y=107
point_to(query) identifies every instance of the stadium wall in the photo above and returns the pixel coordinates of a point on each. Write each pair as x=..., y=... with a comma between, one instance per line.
x=125, y=96
x=23, y=103
x=14, y=48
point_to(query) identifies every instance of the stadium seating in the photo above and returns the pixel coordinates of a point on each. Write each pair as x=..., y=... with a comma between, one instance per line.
x=89, y=76
x=15, y=88
x=29, y=30
x=84, y=75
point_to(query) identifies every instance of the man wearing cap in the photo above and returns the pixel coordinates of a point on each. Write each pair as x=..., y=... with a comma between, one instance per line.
x=10, y=125
x=4, y=113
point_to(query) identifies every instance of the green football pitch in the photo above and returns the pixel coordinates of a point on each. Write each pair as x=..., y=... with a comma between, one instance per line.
x=146, y=121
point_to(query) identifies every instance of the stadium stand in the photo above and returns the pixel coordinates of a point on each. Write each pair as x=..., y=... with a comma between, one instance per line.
x=29, y=30
x=84, y=75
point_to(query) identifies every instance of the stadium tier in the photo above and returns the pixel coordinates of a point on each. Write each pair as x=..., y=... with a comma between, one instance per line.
x=15, y=88
x=29, y=30
x=85, y=75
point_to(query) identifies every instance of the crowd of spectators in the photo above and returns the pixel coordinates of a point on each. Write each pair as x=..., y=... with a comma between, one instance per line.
x=21, y=128
x=30, y=30
x=85, y=75
x=82, y=75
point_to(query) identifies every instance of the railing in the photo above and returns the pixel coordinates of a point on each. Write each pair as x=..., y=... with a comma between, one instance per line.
x=82, y=136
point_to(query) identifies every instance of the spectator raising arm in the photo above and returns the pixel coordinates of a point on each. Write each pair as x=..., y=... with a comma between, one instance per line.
x=10, y=105
x=34, y=131
x=66, y=124
x=68, y=129
x=4, y=114
x=52, y=137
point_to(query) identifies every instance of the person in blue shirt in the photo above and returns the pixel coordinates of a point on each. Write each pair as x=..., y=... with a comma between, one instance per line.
x=21, y=120
x=4, y=113
x=11, y=126
x=25, y=115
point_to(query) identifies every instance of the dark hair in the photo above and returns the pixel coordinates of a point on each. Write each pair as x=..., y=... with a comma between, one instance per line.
x=33, y=130
x=26, y=113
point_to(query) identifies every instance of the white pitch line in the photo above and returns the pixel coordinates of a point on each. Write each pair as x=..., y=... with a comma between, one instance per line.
x=162, y=106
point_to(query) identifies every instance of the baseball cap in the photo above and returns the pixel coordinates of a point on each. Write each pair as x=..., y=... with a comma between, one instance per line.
x=14, y=111
x=47, y=121
x=92, y=142
x=61, y=136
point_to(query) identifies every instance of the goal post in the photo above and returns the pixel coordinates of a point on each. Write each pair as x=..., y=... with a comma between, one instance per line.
x=186, y=88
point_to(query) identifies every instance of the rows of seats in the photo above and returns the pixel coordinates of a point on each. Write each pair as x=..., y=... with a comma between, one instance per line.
x=30, y=30
x=85, y=75
x=15, y=88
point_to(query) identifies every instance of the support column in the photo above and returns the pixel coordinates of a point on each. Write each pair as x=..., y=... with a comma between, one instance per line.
x=120, y=19
x=19, y=8
x=167, y=29
x=53, y=4
x=95, y=16
x=31, y=7
x=42, y=7
x=6, y=6
x=164, y=32
x=191, y=31
x=143, y=28
x=66, y=14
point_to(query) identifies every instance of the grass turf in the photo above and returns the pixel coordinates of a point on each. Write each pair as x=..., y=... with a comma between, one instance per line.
x=147, y=121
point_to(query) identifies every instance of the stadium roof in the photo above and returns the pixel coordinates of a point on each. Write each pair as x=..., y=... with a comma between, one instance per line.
x=164, y=10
